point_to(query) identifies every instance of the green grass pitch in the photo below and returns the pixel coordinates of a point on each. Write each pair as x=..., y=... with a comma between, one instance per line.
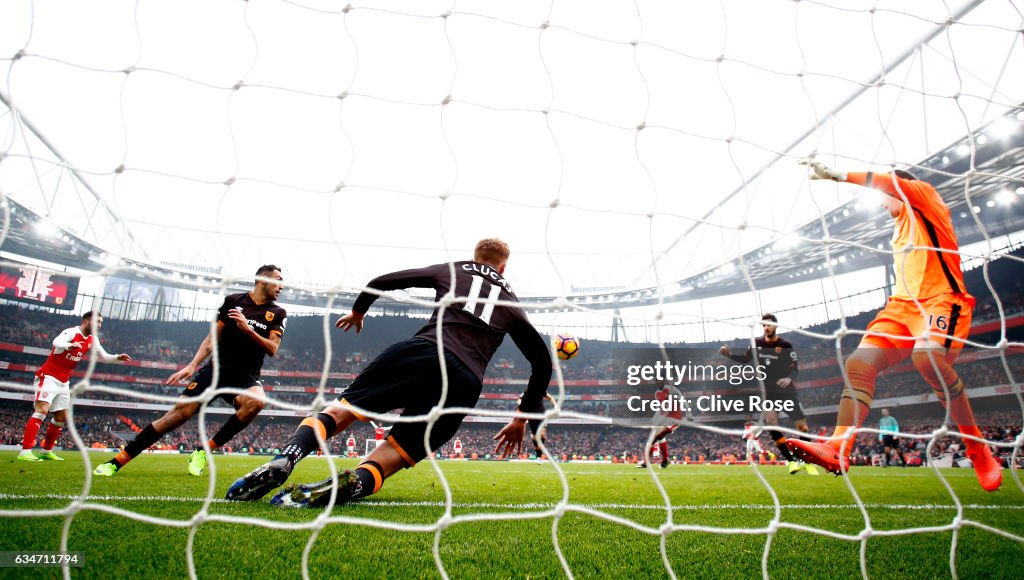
x=722, y=497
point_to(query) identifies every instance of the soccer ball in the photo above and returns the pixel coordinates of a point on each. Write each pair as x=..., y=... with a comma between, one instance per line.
x=566, y=346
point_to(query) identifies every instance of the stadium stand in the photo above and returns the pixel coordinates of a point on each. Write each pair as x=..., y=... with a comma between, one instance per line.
x=593, y=381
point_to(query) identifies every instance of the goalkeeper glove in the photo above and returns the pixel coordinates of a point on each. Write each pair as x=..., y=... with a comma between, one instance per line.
x=821, y=171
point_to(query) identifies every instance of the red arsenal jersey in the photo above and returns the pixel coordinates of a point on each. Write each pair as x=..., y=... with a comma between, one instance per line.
x=663, y=395
x=64, y=358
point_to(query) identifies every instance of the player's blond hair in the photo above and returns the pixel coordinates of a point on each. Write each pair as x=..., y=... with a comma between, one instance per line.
x=491, y=251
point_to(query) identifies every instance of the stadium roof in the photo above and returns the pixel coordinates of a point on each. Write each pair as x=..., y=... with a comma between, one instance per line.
x=614, y=148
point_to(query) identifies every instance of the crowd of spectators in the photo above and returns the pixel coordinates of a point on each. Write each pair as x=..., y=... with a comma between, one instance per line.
x=111, y=429
x=163, y=342
x=305, y=349
x=975, y=374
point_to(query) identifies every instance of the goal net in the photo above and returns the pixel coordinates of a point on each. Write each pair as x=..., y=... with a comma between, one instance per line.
x=641, y=158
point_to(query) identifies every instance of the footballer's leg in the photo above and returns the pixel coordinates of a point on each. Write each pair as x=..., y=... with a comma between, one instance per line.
x=247, y=407
x=537, y=437
x=182, y=411
x=60, y=416
x=648, y=453
x=404, y=447
x=306, y=439
x=934, y=362
x=366, y=479
x=172, y=419
x=655, y=446
x=800, y=422
x=862, y=367
x=379, y=388
x=538, y=449
x=662, y=437
x=771, y=419
x=28, y=442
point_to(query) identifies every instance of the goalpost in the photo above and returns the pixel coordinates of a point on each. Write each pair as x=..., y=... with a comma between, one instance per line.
x=644, y=155
x=371, y=444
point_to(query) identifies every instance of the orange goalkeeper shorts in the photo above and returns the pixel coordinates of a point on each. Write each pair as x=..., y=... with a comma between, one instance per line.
x=946, y=317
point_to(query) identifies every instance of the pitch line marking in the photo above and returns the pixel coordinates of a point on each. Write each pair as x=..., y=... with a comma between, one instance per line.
x=528, y=506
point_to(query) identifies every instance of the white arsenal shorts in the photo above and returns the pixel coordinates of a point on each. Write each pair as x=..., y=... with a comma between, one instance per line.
x=54, y=392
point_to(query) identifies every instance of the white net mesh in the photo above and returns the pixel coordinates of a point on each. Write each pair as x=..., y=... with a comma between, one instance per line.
x=647, y=149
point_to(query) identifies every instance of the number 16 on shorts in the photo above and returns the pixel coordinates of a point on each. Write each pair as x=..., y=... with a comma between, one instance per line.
x=939, y=322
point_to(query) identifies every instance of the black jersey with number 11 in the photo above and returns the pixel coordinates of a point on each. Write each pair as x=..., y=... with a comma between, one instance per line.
x=473, y=328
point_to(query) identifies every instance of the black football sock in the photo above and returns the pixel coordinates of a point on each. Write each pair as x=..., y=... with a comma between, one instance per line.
x=229, y=430
x=143, y=441
x=780, y=442
x=370, y=477
x=303, y=441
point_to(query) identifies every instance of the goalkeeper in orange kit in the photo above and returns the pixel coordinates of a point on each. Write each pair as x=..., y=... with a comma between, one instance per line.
x=927, y=318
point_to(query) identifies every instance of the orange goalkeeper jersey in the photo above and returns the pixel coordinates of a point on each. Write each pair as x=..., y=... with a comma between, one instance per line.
x=925, y=223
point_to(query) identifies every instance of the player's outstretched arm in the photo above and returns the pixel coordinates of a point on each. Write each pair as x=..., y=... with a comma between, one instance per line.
x=535, y=349
x=205, y=350
x=821, y=171
x=510, y=438
x=107, y=357
x=417, y=278
x=899, y=189
x=351, y=320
